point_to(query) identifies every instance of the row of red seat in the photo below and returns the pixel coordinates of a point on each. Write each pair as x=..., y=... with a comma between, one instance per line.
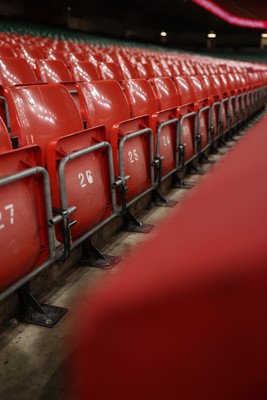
x=148, y=63
x=129, y=67
x=18, y=70
x=216, y=103
x=99, y=146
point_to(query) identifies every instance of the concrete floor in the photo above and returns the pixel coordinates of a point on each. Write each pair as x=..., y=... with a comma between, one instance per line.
x=32, y=358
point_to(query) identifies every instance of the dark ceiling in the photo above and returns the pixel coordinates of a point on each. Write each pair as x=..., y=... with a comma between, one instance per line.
x=185, y=22
x=172, y=15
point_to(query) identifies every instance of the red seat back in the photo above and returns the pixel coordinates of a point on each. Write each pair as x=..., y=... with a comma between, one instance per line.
x=140, y=96
x=31, y=54
x=6, y=51
x=104, y=103
x=187, y=96
x=39, y=113
x=128, y=70
x=15, y=71
x=201, y=100
x=142, y=100
x=144, y=70
x=199, y=88
x=83, y=71
x=52, y=71
x=23, y=225
x=85, y=178
x=185, y=89
x=156, y=68
x=165, y=92
x=109, y=71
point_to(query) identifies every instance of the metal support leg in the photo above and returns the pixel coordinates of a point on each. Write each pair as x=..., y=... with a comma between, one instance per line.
x=179, y=183
x=32, y=312
x=214, y=150
x=92, y=257
x=222, y=143
x=160, y=201
x=203, y=159
x=132, y=224
x=193, y=169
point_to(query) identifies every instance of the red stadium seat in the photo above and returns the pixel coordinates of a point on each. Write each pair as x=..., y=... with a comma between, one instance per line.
x=165, y=68
x=15, y=71
x=6, y=51
x=228, y=101
x=241, y=95
x=128, y=70
x=191, y=96
x=56, y=71
x=165, y=92
x=94, y=58
x=103, y=103
x=56, y=55
x=221, y=89
x=175, y=69
x=52, y=71
x=235, y=99
x=246, y=90
x=261, y=96
x=202, y=107
x=156, y=68
x=83, y=71
x=215, y=106
x=198, y=68
x=186, y=68
x=169, y=100
x=144, y=70
x=141, y=98
x=74, y=56
x=109, y=71
x=252, y=97
x=212, y=69
x=50, y=110
x=163, y=121
x=220, y=114
x=188, y=119
x=84, y=179
x=24, y=237
x=31, y=54
x=47, y=115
